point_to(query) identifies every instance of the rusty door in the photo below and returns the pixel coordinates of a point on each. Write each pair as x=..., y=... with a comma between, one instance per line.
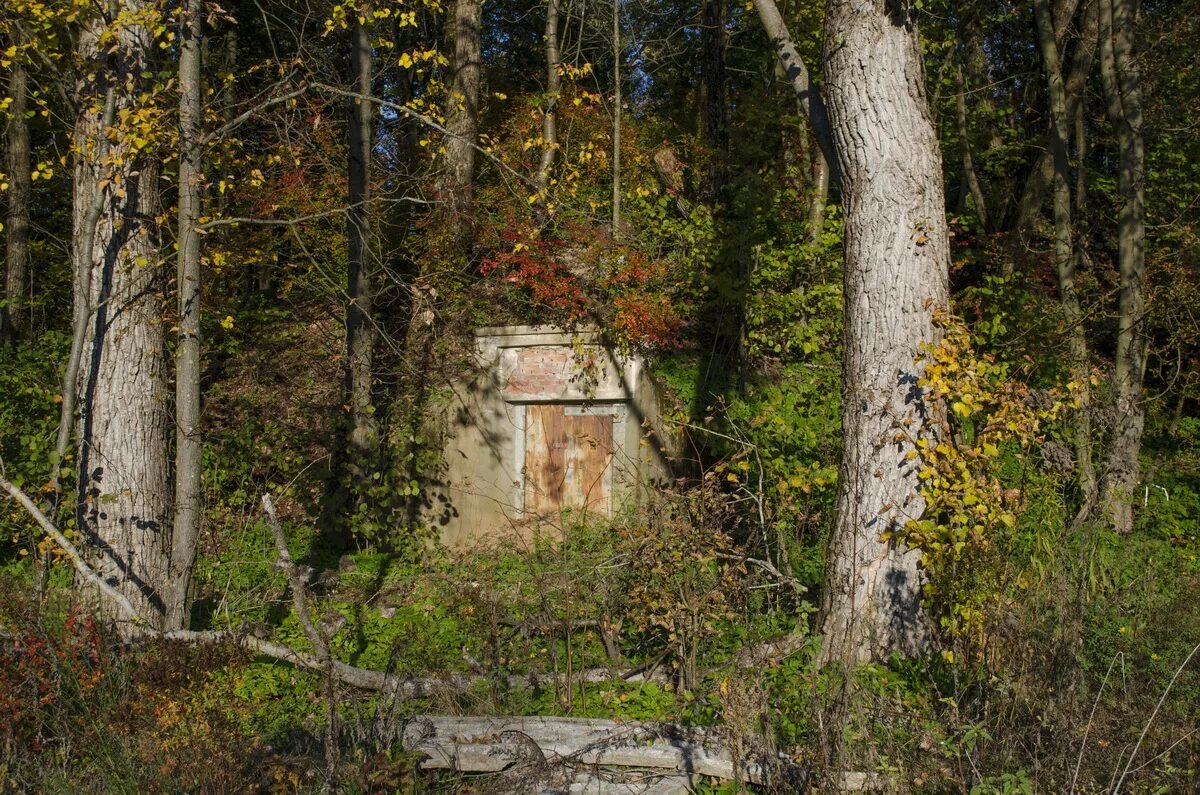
x=568, y=453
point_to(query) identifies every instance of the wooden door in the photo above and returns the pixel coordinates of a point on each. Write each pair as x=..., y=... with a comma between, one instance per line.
x=568, y=455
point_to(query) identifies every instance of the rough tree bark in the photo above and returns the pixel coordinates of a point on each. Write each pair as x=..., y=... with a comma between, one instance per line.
x=123, y=510
x=457, y=187
x=14, y=317
x=880, y=136
x=714, y=131
x=188, y=445
x=360, y=333
x=1064, y=249
x=1123, y=95
x=896, y=274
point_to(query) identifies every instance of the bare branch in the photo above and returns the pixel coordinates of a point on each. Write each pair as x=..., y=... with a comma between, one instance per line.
x=428, y=122
x=298, y=577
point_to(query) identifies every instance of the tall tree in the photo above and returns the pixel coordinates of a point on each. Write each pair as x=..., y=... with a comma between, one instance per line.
x=14, y=318
x=188, y=444
x=360, y=332
x=896, y=275
x=1041, y=176
x=541, y=179
x=1123, y=95
x=616, y=120
x=713, y=126
x=123, y=509
x=457, y=187
x=1065, y=258
x=970, y=184
x=897, y=260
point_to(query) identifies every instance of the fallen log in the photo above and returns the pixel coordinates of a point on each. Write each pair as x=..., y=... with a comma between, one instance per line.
x=535, y=745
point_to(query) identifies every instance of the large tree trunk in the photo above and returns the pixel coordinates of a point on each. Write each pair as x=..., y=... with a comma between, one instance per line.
x=896, y=276
x=713, y=128
x=457, y=188
x=123, y=513
x=188, y=446
x=1064, y=249
x=14, y=317
x=1123, y=93
x=360, y=332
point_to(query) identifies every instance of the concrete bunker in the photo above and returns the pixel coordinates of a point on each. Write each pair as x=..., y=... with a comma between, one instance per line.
x=546, y=420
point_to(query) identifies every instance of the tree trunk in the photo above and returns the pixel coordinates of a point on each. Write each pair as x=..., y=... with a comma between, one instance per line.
x=896, y=275
x=541, y=180
x=1123, y=94
x=970, y=177
x=797, y=75
x=616, y=120
x=360, y=333
x=189, y=509
x=714, y=131
x=123, y=513
x=1064, y=249
x=1042, y=175
x=14, y=316
x=819, y=197
x=462, y=107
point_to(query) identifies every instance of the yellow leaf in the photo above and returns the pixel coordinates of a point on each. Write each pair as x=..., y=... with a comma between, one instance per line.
x=227, y=323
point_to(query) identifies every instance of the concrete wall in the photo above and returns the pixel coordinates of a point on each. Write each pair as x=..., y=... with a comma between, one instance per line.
x=480, y=490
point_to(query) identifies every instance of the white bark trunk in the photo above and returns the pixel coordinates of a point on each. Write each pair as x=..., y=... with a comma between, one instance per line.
x=124, y=488
x=896, y=275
